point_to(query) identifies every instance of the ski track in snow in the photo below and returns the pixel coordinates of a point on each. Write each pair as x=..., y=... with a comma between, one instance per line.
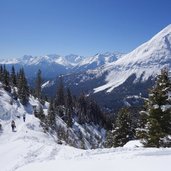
x=30, y=149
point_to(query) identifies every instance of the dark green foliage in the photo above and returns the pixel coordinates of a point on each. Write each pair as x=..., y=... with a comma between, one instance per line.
x=60, y=97
x=69, y=108
x=82, y=105
x=41, y=114
x=23, y=89
x=109, y=139
x=90, y=112
x=38, y=83
x=158, y=113
x=1, y=73
x=69, y=101
x=13, y=77
x=6, y=79
x=51, y=119
x=123, y=129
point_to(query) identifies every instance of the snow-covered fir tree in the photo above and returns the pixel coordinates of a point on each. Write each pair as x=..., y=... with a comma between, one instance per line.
x=157, y=116
x=123, y=129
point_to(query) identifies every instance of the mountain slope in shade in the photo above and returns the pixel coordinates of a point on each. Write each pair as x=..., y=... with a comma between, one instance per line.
x=145, y=61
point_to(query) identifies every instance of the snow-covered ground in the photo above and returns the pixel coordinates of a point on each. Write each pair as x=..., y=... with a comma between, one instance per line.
x=110, y=159
x=30, y=149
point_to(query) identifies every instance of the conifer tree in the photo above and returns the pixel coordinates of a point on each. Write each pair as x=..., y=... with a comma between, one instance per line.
x=41, y=114
x=60, y=99
x=38, y=84
x=158, y=113
x=82, y=104
x=69, y=101
x=13, y=77
x=69, y=107
x=6, y=79
x=51, y=119
x=123, y=129
x=1, y=73
x=23, y=89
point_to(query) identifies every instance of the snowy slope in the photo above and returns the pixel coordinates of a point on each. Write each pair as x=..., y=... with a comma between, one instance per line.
x=145, y=61
x=98, y=60
x=29, y=142
x=120, y=159
x=29, y=148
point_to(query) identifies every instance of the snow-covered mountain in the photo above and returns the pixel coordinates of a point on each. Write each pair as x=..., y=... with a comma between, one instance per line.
x=131, y=75
x=53, y=65
x=98, y=60
x=145, y=61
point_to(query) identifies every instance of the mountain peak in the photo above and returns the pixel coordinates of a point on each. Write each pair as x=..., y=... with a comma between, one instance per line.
x=145, y=61
x=162, y=34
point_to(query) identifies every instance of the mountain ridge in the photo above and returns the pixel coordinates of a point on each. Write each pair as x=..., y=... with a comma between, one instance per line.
x=145, y=61
x=54, y=65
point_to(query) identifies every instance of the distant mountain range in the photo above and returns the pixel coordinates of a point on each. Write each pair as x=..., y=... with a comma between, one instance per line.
x=113, y=79
x=54, y=65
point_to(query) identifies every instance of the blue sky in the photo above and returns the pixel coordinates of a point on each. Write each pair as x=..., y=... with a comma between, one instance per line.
x=84, y=27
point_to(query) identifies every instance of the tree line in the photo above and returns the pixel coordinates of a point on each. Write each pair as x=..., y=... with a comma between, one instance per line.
x=152, y=124
x=15, y=83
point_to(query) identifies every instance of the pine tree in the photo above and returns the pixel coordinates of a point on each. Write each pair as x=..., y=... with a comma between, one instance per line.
x=51, y=119
x=94, y=113
x=69, y=102
x=38, y=84
x=123, y=131
x=1, y=73
x=23, y=89
x=41, y=114
x=13, y=77
x=109, y=139
x=158, y=113
x=82, y=105
x=69, y=107
x=6, y=79
x=60, y=99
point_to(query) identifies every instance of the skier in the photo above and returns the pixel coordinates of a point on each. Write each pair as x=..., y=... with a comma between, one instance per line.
x=24, y=117
x=0, y=128
x=13, y=125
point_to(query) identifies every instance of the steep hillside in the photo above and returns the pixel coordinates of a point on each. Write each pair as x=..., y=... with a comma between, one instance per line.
x=145, y=61
x=87, y=135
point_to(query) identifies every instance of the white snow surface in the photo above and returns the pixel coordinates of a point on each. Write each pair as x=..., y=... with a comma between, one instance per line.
x=69, y=61
x=47, y=84
x=30, y=149
x=101, y=59
x=120, y=159
x=145, y=61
